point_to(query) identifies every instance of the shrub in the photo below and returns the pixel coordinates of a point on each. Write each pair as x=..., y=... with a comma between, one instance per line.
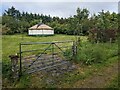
x=96, y=35
x=90, y=53
x=6, y=70
x=68, y=54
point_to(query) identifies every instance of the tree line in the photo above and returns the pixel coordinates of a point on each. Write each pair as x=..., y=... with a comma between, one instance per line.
x=14, y=21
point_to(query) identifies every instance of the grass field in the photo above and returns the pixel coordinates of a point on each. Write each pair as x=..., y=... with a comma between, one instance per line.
x=10, y=45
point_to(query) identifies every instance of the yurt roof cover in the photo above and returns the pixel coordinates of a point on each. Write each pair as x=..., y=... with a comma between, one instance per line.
x=40, y=26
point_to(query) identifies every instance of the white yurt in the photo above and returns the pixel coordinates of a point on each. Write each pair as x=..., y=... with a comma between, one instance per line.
x=40, y=29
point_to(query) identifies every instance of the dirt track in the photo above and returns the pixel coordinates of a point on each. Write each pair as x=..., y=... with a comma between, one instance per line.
x=99, y=79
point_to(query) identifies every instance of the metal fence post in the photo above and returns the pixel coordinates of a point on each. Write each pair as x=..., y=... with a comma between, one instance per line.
x=53, y=52
x=20, y=72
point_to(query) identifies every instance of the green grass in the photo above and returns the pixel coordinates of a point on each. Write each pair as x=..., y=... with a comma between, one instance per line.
x=24, y=82
x=10, y=43
x=85, y=71
x=97, y=56
x=89, y=53
x=10, y=46
x=114, y=83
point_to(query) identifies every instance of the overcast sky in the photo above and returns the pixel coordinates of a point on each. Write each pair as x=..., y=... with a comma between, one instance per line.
x=61, y=9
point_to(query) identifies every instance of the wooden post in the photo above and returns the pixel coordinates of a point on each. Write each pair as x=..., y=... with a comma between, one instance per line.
x=110, y=40
x=74, y=48
x=14, y=63
x=78, y=42
x=97, y=41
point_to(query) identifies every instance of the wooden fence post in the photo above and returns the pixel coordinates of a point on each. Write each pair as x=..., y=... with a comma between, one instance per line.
x=78, y=42
x=110, y=40
x=14, y=63
x=74, y=48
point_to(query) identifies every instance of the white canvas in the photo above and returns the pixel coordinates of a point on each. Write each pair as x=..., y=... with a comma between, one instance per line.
x=41, y=32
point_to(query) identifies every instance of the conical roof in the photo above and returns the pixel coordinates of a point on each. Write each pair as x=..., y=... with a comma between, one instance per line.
x=40, y=26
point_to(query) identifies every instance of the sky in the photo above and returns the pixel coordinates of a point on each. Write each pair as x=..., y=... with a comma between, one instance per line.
x=59, y=8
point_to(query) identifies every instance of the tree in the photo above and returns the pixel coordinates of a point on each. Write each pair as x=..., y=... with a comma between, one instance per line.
x=12, y=12
x=104, y=28
x=11, y=23
x=78, y=24
x=81, y=18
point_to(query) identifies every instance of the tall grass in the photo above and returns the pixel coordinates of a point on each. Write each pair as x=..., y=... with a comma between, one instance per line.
x=89, y=53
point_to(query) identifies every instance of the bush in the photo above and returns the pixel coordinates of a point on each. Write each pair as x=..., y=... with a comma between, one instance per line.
x=68, y=54
x=96, y=35
x=91, y=53
x=6, y=70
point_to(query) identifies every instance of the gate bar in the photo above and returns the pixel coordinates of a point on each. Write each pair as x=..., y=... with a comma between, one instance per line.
x=30, y=43
x=38, y=57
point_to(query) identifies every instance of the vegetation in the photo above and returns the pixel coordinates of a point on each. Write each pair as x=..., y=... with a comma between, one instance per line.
x=15, y=21
x=90, y=56
x=14, y=40
x=114, y=83
x=10, y=46
x=90, y=53
x=102, y=35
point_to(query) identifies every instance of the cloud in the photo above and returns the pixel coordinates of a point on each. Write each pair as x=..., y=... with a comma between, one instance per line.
x=61, y=9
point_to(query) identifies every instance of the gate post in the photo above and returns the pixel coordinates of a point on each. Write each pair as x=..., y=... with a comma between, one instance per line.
x=53, y=52
x=78, y=42
x=20, y=71
x=74, y=48
x=14, y=63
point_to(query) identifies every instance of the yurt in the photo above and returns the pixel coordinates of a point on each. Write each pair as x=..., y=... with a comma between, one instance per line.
x=40, y=29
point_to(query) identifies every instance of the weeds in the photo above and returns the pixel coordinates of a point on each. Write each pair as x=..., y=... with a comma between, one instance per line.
x=89, y=53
